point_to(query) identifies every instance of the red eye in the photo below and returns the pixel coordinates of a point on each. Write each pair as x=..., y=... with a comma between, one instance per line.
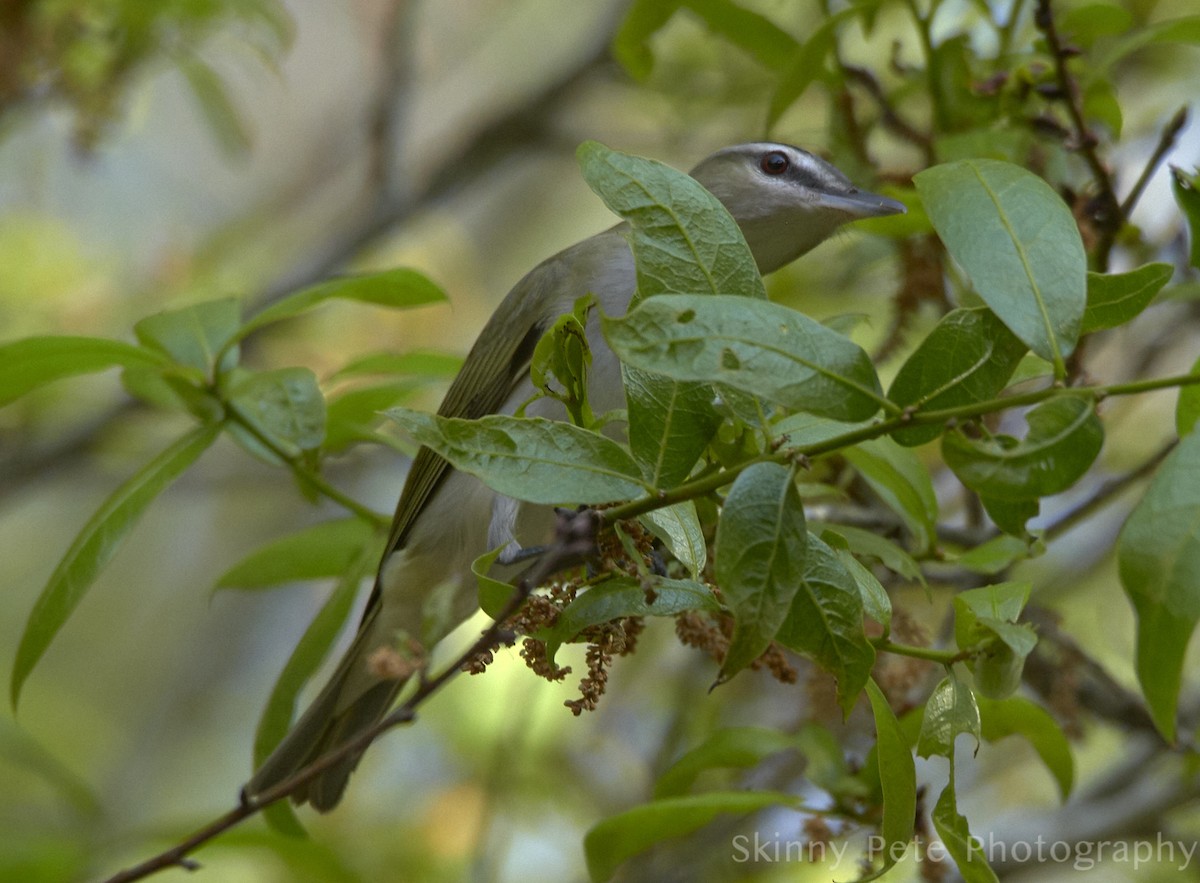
x=774, y=163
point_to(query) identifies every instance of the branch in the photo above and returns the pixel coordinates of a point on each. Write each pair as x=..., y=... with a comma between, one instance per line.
x=521, y=128
x=711, y=482
x=1166, y=142
x=575, y=542
x=1107, y=215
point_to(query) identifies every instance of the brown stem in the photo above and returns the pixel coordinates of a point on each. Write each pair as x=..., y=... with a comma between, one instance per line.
x=576, y=540
x=1106, y=211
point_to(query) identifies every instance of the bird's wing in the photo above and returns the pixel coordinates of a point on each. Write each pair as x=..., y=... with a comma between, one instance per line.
x=495, y=364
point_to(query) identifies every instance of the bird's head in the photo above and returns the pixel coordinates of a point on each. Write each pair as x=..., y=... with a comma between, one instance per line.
x=785, y=200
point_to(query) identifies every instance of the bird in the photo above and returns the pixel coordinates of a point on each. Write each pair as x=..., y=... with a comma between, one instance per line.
x=785, y=200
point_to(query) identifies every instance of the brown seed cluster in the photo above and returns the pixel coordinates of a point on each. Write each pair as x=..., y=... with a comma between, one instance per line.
x=711, y=635
x=617, y=638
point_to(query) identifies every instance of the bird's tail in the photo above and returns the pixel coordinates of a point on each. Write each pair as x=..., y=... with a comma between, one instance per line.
x=333, y=719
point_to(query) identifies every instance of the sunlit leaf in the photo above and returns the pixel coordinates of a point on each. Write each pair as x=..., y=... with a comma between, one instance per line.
x=398, y=288
x=28, y=364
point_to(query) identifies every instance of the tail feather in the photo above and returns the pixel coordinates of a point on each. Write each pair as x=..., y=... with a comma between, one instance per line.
x=332, y=720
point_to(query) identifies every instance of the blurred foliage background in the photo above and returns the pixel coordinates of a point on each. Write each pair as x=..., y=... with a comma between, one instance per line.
x=157, y=154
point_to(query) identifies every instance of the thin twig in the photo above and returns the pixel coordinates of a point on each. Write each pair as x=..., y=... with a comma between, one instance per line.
x=575, y=542
x=1107, y=216
x=1165, y=143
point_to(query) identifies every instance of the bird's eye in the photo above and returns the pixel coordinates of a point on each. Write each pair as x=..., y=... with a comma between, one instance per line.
x=774, y=163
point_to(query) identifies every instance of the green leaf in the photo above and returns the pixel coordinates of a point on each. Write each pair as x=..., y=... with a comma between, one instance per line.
x=222, y=116
x=1002, y=601
x=562, y=361
x=902, y=482
x=679, y=528
x=877, y=604
x=610, y=842
x=950, y=711
x=494, y=594
x=1187, y=197
x=355, y=414
x=530, y=458
x=1019, y=244
x=1010, y=515
x=761, y=544
x=871, y=544
x=807, y=63
x=194, y=336
x=756, y=347
x=995, y=556
x=97, y=543
x=1116, y=298
x=33, y=362
x=285, y=405
x=670, y=424
x=985, y=622
x=1084, y=24
x=642, y=21
x=967, y=851
x=306, y=658
x=825, y=623
x=1064, y=438
x=897, y=778
x=967, y=358
x=803, y=431
x=755, y=34
x=1158, y=555
x=322, y=551
x=1019, y=716
x=622, y=597
x=1187, y=409
x=1100, y=103
x=726, y=747
x=20, y=750
x=683, y=239
x=399, y=288
x=417, y=363
x=1185, y=29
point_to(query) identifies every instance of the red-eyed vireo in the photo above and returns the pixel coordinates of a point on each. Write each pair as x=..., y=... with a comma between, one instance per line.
x=785, y=200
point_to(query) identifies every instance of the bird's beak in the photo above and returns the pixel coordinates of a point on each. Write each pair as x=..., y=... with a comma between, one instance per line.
x=861, y=204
